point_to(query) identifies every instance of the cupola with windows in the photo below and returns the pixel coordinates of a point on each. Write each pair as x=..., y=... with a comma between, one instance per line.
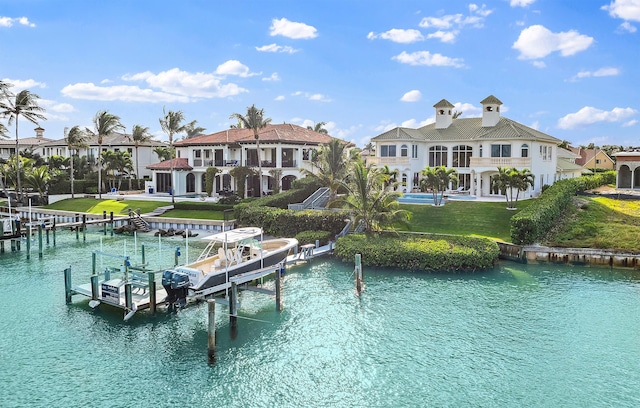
x=490, y=111
x=444, y=115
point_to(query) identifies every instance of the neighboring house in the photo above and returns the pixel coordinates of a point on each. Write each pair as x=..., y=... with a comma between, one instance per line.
x=286, y=148
x=593, y=159
x=474, y=147
x=567, y=166
x=115, y=142
x=8, y=146
x=628, y=167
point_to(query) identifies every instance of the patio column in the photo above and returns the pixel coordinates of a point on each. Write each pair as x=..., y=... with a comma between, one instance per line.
x=472, y=187
x=278, y=157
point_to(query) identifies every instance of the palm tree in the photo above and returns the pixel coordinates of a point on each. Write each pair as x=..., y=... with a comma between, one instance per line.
x=371, y=203
x=76, y=139
x=438, y=179
x=118, y=164
x=193, y=130
x=331, y=165
x=514, y=179
x=163, y=153
x=391, y=176
x=38, y=178
x=139, y=135
x=240, y=174
x=319, y=127
x=254, y=119
x=171, y=124
x=24, y=103
x=105, y=124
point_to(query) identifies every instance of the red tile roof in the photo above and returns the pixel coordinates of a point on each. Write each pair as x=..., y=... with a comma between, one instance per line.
x=283, y=133
x=178, y=164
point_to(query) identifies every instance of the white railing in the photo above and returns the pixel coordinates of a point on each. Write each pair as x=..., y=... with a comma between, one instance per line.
x=500, y=162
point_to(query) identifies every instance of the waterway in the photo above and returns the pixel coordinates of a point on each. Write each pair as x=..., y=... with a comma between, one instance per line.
x=515, y=336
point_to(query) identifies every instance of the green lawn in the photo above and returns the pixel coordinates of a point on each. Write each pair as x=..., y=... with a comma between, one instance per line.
x=95, y=206
x=195, y=214
x=484, y=219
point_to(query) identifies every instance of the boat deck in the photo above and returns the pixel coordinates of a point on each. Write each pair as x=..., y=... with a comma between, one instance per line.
x=140, y=296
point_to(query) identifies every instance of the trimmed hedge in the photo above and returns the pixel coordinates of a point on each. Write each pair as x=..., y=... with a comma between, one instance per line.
x=429, y=252
x=289, y=223
x=199, y=206
x=301, y=189
x=310, y=237
x=532, y=224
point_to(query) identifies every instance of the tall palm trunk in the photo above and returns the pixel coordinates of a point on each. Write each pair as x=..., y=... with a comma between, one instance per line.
x=99, y=163
x=259, y=164
x=173, y=193
x=71, y=151
x=137, y=167
x=19, y=186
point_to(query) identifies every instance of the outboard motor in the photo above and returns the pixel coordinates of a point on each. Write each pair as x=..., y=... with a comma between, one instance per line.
x=176, y=284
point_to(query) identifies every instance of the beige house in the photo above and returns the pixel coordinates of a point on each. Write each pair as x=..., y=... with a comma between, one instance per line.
x=593, y=159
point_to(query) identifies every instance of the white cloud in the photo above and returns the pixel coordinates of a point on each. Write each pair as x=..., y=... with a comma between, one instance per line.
x=521, y=3
x=627, y=27
x=537, y=42
x=312, y=97
x=188, y=85
x=414, y=124
x=624, y=9
x=279, y=98
x=444, y=36
x=127, y=93
x=290, y=29
x=458, y=20
x=277, y=48
x=411, y=96
x=272, y=77
x=539, y=64
x=481, y=11
x=234, y=67
x=398, y=35
x=630, y=123
x=468, y=109
x=426, y=58
x=8, y=21
x=607, y=71
x=535, y=125
x=57, y=107
x=20, y=84
x=590, y=115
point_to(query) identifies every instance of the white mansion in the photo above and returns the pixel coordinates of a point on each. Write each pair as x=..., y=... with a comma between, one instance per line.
x=285, y=151
x=475, y=148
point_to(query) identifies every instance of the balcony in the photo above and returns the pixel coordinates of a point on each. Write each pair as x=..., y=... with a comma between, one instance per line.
x=289, y=163
x=494, y=162
x=388, y=161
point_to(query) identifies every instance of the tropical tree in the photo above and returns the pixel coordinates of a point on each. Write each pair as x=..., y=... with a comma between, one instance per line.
x=23, y=103
x=367, y=198
x=38, y=178
x=105, y=124
x=76, y=139
x=139, y=134
x=254, y=119
x=240, y=174
x=171, y=124
x=163, y=153
x=330, y=164
x=516, y=180
x=3, y=132
x=193, y=130
x=319, y=127
x=209, y=179
x=390, y=176
x=438, y=179
x=276, y=174
x=117, y=164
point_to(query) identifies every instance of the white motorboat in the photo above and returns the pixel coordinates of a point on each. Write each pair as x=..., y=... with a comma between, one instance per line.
x=227, y=254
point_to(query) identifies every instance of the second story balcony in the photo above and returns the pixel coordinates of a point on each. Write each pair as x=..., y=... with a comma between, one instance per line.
x=520, y=162
x=388, y=161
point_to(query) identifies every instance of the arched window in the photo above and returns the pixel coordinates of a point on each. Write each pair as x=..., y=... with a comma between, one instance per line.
x=525, y=150
x=404, y=151
x=437, y=156
x=462, y=156
x=191, y=183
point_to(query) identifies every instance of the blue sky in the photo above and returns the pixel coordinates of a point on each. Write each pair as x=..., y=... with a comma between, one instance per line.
x=567, y=68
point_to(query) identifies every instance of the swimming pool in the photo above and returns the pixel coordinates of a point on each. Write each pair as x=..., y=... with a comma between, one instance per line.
x=427, y=198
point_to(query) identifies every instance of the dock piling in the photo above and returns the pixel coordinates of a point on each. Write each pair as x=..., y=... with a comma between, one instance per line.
x=84, y=227
x=212, y=331
x=358, y=272
x=77, y=229
x=152, y=290
x=111, y=221
x=94, y=287
x=67, y=284
x=29, y=242
x=128, y=299
x=39, y=241
x=233, y=306
x=278, y=291
x=104, y=225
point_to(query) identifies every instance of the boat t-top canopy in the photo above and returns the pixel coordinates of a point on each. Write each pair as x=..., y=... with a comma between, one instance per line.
x=234, y=235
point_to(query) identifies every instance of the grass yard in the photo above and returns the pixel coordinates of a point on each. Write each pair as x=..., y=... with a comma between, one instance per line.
x=600, y=222
x=194, y=214
x=95, y=206
x=483, y=219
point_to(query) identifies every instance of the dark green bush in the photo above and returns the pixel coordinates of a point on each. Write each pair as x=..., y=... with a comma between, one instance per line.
x=301, y=189
x=288, y=223
x=531, y=224
x=201, y=206
x=419, y=252
x=230, y=200
x=310, y=237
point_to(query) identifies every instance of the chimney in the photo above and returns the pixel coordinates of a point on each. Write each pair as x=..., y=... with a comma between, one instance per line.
x=444, y=117
x=39, y=132
x=490, y=111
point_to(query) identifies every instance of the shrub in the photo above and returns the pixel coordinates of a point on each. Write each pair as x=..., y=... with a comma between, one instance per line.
x=310, y=237
x=428, y=252
x=199, y=206
x=288, y=223
x=230, y=200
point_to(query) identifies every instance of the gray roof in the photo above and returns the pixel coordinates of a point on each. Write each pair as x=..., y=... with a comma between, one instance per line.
x=491, y=100
x=468, y=129
x=444, y=104
x=114, y=139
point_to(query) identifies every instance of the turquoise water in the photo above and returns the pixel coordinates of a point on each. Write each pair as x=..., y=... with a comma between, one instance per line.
x=425, y=198
x=517, y=336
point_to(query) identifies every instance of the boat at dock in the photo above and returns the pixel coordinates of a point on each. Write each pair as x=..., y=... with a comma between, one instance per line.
x=227, y=256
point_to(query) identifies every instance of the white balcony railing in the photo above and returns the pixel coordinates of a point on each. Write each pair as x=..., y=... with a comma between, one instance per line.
x=388, y=161
x=501, y=162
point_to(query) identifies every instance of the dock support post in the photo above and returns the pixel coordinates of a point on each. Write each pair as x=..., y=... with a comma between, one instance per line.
x=278, y=291
x=29, y=242
x=94, y=287
x=111, y=221
x=128, y=301
x=233, y=306
x=93, y=263
x=104, y=224
x=39, y=241
x=54, y=231
x=142, y=250
x=358, y=274
x=84, y=227
x=67, y=285
x=211, y=353
x=176, y=256
x=2, y=235
x=152, y=292
x=46, y=231
x=77, y=227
